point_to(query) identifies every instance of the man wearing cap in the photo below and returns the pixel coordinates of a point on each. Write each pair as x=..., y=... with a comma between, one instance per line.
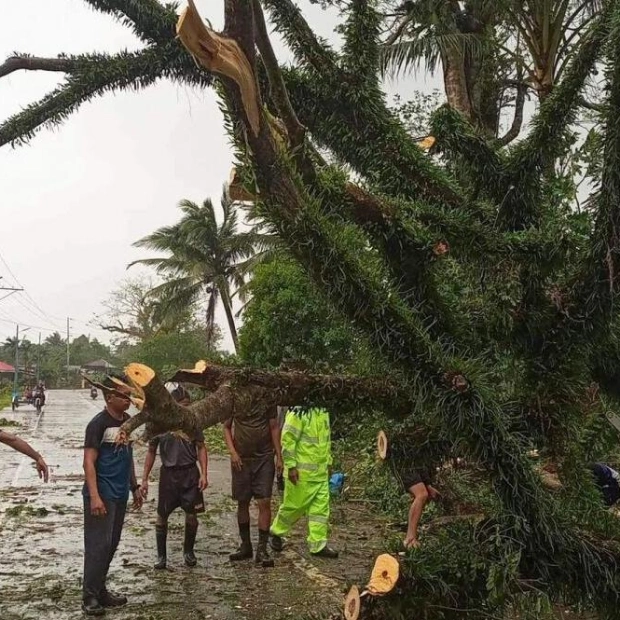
x=109, y=476
x=182, y=479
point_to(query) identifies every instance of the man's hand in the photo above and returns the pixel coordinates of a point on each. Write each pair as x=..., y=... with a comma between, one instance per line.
x=279, y=465
x=42, y=468
x=293, y=475
x=203, y=483
x=433, y=493
x=97, y=507
x=144, y=490
x=236, y=461
x=137, y=499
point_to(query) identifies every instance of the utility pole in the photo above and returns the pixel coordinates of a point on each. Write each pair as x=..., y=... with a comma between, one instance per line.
x=39, y=360
x=68, y=319
x=15, y=375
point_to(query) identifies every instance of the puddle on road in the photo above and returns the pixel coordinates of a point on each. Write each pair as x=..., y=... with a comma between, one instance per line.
x=41, y=531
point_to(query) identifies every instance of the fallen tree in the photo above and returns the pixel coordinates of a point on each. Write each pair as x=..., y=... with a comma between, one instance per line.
x=475, y=283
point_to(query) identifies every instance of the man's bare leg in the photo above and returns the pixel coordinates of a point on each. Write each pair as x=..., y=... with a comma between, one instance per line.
x=420, y=496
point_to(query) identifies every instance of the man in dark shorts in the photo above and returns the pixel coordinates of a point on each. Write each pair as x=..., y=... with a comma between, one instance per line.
x=109, y=475
x=417, y=482
x=252, y=440
x=181, y=483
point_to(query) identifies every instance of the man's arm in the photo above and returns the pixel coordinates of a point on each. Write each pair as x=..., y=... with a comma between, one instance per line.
x=135, y=487
x=97, y=507
x=149, y=461
x=274, y=428
x=13, y=441
x=203, y=459
x=291, y=432
x=235, y=459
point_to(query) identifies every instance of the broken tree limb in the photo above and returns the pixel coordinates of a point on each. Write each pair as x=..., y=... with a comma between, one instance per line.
x=292, y=387
x=352, y=604
x=222, y=56
x=384, y=576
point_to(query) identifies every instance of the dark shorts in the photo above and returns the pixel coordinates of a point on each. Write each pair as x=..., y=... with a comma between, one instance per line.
x=413, y=477
x=254, y=480
x=178, y=488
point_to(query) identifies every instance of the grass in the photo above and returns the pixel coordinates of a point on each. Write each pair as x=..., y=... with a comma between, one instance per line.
x=214, y=439
x=5, y=422
x=5, y=398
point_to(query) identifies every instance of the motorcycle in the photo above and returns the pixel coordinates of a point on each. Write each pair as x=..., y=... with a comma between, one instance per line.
x=93, y=393
x=38, y=403
x=14, y=403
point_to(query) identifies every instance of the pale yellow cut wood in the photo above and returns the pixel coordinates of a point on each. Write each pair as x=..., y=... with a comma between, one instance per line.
x=139, y=374
x=427, y=142
x=352, y=604
x=382, y=445
x=384, y=575
x=222, y=56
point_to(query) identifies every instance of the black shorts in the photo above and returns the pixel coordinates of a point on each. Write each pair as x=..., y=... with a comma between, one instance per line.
x=178, y=488
x=254, y=480
x=415, y=476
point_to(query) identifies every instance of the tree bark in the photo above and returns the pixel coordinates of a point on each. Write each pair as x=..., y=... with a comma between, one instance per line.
x=455, y=82
x=247, y=393
x=227, y=303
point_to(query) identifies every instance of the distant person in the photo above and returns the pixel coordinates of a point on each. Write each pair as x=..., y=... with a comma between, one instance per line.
x=13, y=441
x=39, y=392
x=608, y=482
x=109, y=476
x=253, y=440
x=182, y=479
x=307, y=455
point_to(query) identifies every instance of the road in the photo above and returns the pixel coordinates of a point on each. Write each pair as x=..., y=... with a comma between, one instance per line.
x=41, y=532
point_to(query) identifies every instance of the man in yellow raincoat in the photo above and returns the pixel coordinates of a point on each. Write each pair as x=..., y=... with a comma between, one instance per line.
x=306, y=452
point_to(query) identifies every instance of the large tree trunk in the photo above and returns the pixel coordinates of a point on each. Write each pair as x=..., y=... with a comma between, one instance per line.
x=227, y=303
x=455, y=82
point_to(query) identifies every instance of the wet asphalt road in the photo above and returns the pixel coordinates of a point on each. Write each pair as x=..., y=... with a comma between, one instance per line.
x=41, y=533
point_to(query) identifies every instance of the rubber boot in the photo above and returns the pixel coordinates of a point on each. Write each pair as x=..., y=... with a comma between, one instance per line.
x=245, y=551
x=262, y=553
x=161, y=534
x=188, y=544
x=277, y=544
x=326, y=552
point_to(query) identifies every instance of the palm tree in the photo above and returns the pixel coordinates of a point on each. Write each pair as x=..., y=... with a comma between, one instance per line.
x=206, y=259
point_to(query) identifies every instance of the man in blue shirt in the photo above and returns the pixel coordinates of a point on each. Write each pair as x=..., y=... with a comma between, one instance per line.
x=109, y=476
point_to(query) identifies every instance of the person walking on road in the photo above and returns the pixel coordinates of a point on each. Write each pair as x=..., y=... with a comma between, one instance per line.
x=252, y=440
x=13, y=441
x=109, y=476
x=306, y=451
x=182, y=479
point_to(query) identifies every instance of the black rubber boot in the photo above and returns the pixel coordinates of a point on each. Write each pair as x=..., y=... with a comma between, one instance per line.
x=188, y=544
x=92, y=607
x=112, y=599
x=245, y=551
x=326, y=552
x=277, y=543
x=262, y=552
x=161, y=534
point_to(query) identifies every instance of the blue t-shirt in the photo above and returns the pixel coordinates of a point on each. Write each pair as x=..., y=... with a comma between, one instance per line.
x=113, y=465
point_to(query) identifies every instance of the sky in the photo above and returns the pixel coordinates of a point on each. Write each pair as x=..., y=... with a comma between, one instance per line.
x=75, y=198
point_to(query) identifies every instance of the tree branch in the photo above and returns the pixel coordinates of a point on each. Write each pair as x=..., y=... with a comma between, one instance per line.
x=517, y=121
x=33, y=63
x=296, y=131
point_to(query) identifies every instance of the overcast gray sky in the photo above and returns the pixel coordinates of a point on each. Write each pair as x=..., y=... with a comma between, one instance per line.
x=74, y=199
